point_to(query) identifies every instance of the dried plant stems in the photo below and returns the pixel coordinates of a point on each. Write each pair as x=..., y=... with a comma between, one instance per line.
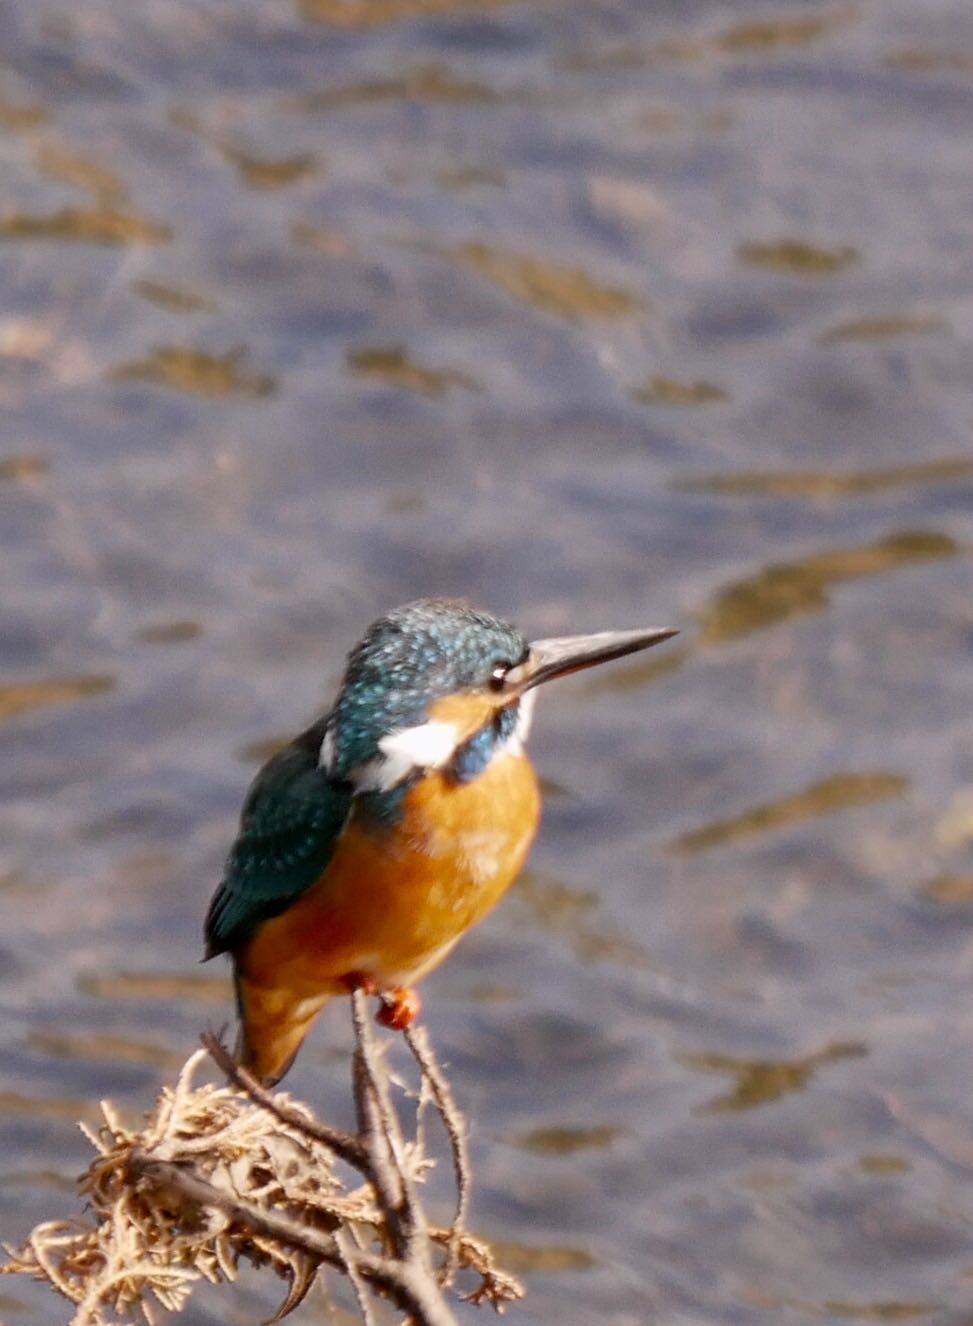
x=407, y=1286
x=455, y=1125
x=344, y=1145
x=218, y=1174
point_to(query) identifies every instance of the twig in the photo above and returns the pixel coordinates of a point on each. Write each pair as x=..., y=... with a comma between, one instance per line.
x=341, y=1237
x=497, y=1287
x=398, y=1280
x=381, y=1136
x=455, y=1125
x=343, y=1144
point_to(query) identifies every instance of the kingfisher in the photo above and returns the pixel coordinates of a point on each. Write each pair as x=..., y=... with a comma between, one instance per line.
x=373, y=841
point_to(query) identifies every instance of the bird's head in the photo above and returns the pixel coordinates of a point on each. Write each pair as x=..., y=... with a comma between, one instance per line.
x=437, y=684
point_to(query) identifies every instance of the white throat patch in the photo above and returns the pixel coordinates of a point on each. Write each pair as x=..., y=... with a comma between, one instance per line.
x=525, y=716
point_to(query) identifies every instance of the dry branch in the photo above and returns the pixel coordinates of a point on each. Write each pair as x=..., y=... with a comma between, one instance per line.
x=220, y=1174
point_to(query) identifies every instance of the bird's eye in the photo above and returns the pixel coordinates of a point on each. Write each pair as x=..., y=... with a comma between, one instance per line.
x=498, y=676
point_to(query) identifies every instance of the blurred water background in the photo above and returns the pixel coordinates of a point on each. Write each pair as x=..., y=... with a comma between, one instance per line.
x=599, y=314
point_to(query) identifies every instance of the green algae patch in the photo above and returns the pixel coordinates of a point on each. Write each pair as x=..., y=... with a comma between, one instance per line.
x=176, y=632
x=19, y=116
x=102, y=1046
x=392, y=366
x=195, y=372
x=22, y=466
x=68, y=1108
x=746, y=38
x=789, y=589
x=619, y=679
x=882, y=1162
x=565, y=1139
x=841, y=791
x=770, y=34
x=673, y=51
x=21, y=697
x=842, y=1308
x=826, y=485
x=542, y=1259
x=797, y=257
x=334, y=243
x=81, y=172
x=174, y=299
x=168, y=986
x=102, y=225
x=257, y=172
x=918, y=60
x=425, y=83
x=377, y=13
x=949, y=890
x=889, y=328
x=761, y=1081
x=570, y=914
x=470, y=177
x=672, y=391
x=568, y=292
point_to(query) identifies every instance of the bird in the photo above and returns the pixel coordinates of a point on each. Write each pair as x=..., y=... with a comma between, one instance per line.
x=372, y=842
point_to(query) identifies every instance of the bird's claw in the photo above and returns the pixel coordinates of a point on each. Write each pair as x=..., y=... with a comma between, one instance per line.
x=359, y=980
x=400, y=1008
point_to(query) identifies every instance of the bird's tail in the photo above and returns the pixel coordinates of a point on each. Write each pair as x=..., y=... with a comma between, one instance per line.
x=273, y=1024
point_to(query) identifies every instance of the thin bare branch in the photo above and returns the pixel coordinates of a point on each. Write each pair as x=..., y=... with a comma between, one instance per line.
x=342, y=1143
x=342, y=1238
x=395, y=1279
x=410, y=1217
x=455, y=1125
x=378, y=1128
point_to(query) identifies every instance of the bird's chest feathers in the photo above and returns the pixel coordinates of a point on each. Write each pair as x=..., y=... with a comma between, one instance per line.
x=470, y=820
x=447, y=857
x=467, y=833
x=401, y=888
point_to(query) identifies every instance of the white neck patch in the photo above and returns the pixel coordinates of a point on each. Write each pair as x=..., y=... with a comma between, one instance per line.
x=429, y=745
x=425, y=746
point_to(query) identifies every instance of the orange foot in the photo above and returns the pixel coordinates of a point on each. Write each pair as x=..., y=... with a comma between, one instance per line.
x=359, y=980
x=400, y=1008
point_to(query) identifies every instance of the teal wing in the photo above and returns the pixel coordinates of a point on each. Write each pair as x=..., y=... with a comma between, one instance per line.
x=292, y=818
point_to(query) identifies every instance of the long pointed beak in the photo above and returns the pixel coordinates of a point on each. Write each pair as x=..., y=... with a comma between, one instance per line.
x=548, y=659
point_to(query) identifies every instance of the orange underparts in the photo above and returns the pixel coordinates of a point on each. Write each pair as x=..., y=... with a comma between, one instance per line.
x=393, y=901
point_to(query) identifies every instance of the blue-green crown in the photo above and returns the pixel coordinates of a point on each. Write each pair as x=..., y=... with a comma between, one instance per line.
x=407, y=659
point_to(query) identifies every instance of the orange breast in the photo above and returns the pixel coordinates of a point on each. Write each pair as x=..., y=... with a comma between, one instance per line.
x=395, y=899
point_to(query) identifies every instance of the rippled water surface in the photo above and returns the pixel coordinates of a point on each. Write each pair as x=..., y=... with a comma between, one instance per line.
x=598, y=314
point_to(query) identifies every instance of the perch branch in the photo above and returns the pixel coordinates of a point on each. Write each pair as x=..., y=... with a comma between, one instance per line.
x=408, y=1289
x=217, y=1174
x=455, y=1125
x=343, y=1144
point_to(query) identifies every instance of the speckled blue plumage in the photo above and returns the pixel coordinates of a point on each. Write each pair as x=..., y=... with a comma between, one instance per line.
x=407, y=659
